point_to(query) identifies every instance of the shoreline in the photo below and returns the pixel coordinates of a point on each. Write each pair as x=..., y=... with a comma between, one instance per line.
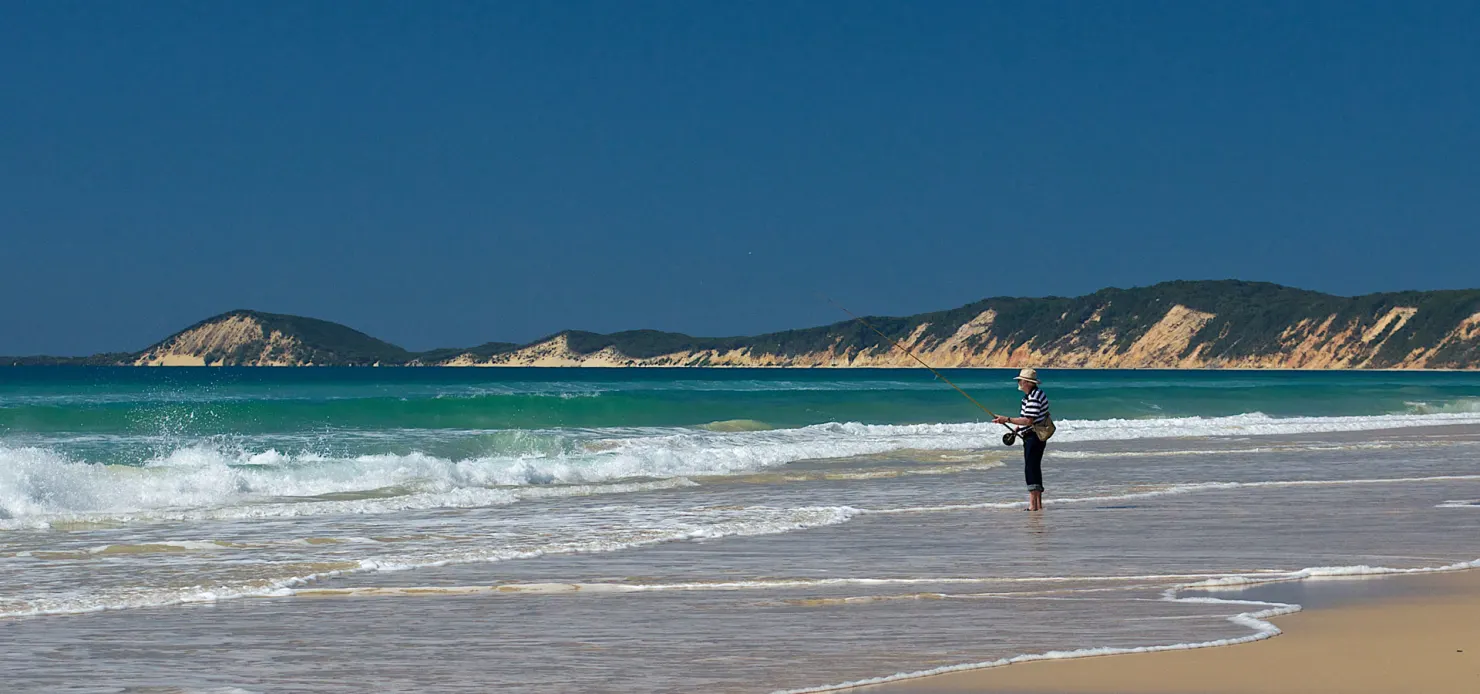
x=1394, y=632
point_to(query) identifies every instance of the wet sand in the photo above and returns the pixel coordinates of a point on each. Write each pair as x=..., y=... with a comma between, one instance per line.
x=1402, y=634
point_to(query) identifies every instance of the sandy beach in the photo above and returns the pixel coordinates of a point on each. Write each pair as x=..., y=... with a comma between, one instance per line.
x=1421, y=635
x=344, y=531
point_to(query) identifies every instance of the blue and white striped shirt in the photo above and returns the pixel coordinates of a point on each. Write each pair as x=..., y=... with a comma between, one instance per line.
x=1035, y=405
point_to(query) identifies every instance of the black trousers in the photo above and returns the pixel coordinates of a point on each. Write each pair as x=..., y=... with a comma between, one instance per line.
x=1033, y=460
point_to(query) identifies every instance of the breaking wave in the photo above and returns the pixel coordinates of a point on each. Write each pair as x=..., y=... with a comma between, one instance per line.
x=40, y=483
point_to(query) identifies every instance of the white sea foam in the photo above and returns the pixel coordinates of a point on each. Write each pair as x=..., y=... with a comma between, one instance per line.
x=1205, y=581
x=760, y=520
x=692, y=453
x=163, y=546
x=1175, y=489
x=38, y=483
x=39, y=486
x=1464, y=405
x=1303, y=447
x=756, y=585
x=702, y=525
x=1247, y=425
x=215, y=690
x=139, y=597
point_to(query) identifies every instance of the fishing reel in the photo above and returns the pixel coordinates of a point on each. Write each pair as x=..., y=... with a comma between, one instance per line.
x=1010, y=438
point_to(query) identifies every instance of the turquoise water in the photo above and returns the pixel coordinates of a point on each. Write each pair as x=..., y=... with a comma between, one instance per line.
x=212, y=401
x=136, y=417
x=538, y=530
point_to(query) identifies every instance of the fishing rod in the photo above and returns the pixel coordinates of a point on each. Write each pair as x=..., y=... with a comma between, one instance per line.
x=902, y=348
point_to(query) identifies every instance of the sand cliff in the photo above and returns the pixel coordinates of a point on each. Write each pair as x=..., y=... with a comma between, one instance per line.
x=253, y=338
x=1171, y=342
x=1188, y=325
x=209, y=345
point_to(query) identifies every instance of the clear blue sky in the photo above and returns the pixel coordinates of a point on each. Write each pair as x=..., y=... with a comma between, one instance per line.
x=444, y=174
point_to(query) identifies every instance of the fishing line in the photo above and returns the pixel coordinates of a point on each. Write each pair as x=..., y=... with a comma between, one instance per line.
x=1012, y=433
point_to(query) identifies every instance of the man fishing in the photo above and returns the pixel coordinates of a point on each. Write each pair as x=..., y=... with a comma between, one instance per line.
x=1034, y=426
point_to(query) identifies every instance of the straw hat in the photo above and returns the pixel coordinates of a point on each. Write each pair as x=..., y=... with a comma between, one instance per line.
x=1029, y=374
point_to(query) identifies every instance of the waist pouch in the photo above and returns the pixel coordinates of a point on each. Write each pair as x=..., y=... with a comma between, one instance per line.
x=1044, y=429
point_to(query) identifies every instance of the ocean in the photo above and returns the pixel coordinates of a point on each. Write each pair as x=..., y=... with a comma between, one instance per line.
x=680, y=530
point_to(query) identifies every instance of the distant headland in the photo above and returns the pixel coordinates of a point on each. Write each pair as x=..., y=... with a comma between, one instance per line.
x=1185, y=324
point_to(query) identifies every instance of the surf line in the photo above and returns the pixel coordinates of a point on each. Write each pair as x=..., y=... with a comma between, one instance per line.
x=1176, y=489
x=938, y=374
x=1256, y=620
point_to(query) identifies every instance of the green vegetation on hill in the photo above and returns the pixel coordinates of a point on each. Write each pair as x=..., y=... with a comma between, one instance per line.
x=1250, y=319
x=318, y=342
x=645, y=344
x=482, y=351
x=105, y=359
